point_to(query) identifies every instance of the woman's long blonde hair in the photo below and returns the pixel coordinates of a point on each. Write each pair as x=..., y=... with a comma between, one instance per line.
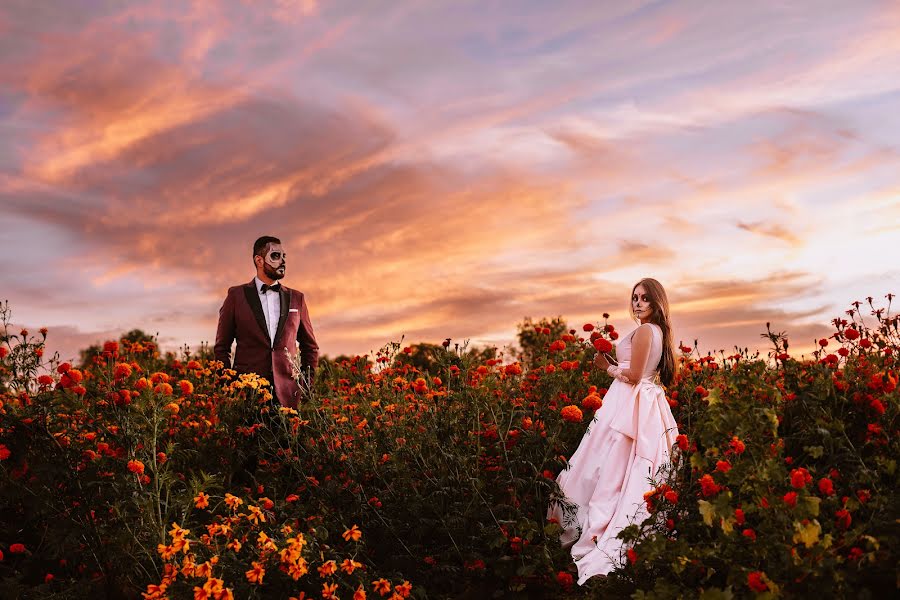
x=660, y=316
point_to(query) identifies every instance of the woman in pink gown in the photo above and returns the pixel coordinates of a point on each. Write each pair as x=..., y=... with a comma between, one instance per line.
x=629, y=439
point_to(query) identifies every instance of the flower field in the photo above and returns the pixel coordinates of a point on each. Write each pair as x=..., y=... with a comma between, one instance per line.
x=426, y=471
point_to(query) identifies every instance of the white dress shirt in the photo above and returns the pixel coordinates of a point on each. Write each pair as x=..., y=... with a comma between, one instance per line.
x=271, y=305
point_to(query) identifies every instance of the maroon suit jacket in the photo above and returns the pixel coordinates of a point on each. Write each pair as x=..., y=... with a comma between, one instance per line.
x=241, y=317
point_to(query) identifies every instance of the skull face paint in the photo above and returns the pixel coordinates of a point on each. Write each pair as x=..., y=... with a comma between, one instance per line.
x=274, y=261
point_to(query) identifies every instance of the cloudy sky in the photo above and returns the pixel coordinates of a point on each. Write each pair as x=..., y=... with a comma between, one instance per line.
x=443, y=169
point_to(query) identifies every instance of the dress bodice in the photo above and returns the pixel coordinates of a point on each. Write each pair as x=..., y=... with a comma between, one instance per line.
x=623, y=351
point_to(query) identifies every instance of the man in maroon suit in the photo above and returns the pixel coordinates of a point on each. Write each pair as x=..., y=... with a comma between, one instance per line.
x=269, y=321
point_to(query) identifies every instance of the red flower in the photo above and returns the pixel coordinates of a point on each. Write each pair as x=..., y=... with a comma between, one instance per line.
x=739, y=516
x=565, y=579
x=823, y=342
x=682, y=441
x=851, y=334
x=45, y=380
x=3, y=352
x=701, y=391
x=571, y=413
x=800, y=478
x=865, y=343
x=588, y=327
x=17, y=548
x=632, y=556
x=671, y=496
x=790, y=499
x=755, y=582
x=749, y=533
x=513, y=369
x=603, y=345
x=736, y=445
x=843, y=519
x=136, y=467
x=709, y=486
x=826, y=487
x=4, y=452
x=723, y=465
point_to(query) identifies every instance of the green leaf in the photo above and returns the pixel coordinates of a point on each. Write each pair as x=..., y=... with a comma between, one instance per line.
x=812, y=505
x=707, y=510
x=814, y=451
x=714, y=397
x=717, y=594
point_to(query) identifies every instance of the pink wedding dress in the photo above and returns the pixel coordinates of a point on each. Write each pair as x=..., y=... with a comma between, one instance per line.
x=629, y=438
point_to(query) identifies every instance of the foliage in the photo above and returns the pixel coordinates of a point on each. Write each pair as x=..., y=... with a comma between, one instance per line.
x=427, y=471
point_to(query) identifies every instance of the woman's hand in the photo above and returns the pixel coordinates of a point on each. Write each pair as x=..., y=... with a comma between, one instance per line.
x=600, y=361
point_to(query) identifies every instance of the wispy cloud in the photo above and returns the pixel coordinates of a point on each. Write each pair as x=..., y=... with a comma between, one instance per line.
x=445, y=171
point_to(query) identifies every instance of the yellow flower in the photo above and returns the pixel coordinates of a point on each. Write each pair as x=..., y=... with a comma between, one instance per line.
x=255, y=515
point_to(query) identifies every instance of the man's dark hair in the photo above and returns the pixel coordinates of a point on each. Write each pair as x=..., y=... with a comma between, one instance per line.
x=259, y=246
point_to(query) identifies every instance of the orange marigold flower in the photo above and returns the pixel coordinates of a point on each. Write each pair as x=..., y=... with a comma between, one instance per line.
x=513, y=369
x=163, y=389
x=201, y=500
x=136, y=467
x=353, y=533
x=349, y=565
x=329, y=591
x=359, y=594
x=122, y=370
x=193, y=365
x=403, y=589
x=173, y=408
x=187, y=388
x=382, y=586
x=255, y=575
x=592, y=402
x=327, y=568
x=571, y=413
x=232, y=501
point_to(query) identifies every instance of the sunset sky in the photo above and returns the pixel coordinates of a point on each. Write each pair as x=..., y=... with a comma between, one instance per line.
x=443, y=169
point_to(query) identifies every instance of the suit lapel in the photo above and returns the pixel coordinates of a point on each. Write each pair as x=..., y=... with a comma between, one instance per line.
x=252, y=295
x=285, y=305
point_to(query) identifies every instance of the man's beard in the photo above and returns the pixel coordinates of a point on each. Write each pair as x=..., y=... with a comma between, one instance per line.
x=271, y=272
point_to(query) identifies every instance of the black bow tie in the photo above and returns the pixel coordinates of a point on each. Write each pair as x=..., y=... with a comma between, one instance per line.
x=275, y=287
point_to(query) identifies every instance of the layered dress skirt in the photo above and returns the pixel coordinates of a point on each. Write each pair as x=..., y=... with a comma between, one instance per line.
x=603, y=486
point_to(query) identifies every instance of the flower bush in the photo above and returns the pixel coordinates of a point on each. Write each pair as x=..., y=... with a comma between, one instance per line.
x=427, y=471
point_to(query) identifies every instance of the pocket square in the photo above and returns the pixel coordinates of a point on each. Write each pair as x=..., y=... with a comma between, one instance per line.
x=293, y=310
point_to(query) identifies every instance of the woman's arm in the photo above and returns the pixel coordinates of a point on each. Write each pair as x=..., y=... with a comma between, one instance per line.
x=640, y=353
